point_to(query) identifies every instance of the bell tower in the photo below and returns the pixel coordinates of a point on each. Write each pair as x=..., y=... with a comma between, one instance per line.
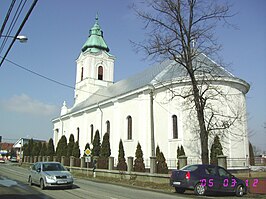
x=95, y=65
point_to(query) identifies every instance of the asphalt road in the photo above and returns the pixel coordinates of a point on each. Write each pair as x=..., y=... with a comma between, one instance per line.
x=13, y=184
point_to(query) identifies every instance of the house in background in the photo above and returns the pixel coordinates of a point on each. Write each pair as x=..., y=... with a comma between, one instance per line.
x=18, y=146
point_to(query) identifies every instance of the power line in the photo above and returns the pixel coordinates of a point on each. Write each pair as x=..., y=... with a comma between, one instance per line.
x=19, y=29
x=11, y=26
x=50, y=79
x=7, y=16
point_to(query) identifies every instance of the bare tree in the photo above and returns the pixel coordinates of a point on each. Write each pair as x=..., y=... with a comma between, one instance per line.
x=184, y=30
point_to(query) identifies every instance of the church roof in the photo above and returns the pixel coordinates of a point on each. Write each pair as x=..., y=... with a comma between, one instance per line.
x=95, y=41
x=166, y=71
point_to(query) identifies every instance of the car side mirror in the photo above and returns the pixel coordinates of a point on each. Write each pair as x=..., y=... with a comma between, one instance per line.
x=39, y=170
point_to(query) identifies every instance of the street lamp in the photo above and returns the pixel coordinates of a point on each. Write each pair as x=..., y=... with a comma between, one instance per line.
x=21, y=38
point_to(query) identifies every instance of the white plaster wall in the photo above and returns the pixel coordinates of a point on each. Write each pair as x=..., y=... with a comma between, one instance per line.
x=138, y=107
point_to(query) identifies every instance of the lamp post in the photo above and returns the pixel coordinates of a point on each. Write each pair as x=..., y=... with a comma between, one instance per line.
x=20, y=38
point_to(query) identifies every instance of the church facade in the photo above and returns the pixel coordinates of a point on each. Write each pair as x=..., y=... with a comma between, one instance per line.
x=149, y=107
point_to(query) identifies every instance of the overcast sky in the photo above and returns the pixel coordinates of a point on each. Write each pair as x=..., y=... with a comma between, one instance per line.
x=58, y=29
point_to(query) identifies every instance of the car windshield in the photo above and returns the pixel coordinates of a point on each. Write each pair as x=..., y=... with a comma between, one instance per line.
x=53, y=167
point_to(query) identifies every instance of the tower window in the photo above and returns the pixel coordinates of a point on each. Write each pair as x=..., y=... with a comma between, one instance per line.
x=91, y=133
x=129, y=127
x=81, y=75
x=108, y=127
x=100, y=73
x=78, y=134
x=175, y=130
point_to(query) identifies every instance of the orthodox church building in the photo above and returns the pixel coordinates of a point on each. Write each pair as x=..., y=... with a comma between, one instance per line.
x=148, y=107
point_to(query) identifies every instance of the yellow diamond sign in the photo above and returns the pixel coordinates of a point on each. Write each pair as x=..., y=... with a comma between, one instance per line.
x=87, y=151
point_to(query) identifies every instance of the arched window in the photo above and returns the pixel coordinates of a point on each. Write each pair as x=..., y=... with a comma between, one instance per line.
x=81, y=75
x=175, y=128
x=100, y=73
x=78, y=134
x=108, y=127
x=91, y=133
x=129, y=127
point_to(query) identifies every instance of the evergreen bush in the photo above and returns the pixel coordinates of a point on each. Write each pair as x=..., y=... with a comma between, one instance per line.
x=121, y=165
x=216, y=149
x=61, y=149
x=160, y=160
x=251, y=155
x=50, y=148
x=105, y=148
x=139, y=165
x=96, y=144
x=76, y=150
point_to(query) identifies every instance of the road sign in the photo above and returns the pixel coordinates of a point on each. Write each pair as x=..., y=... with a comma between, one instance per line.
x=88, y=159
x=87, y=152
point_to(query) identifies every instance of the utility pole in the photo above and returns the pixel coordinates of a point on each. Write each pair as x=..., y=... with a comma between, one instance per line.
x=152, y=124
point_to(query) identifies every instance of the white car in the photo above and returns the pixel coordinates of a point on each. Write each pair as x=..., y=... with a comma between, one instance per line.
x=50, y=174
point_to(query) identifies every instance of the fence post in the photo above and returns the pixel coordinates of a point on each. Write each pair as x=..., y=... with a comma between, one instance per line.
x=111, y=163
x=82, y=162
x=182, y=161
x=63, y=160
x=153, y=164
x=71, y=162
x=54, y=158
x=129, y=164
x=222, y=162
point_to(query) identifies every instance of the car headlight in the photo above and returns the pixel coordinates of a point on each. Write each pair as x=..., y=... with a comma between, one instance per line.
x=50, y=178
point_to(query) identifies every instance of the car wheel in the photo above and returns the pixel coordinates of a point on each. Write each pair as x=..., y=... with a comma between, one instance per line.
x=199, y=189
x=240, y=190
x=42, y=186
x=30, y=181
x=179, y=190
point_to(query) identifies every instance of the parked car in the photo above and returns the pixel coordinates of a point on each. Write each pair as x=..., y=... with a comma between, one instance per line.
x=50, y=174
x=206, y=178
x=2, y=160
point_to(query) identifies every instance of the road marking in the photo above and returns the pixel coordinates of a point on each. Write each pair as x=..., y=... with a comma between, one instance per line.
x=8, y=183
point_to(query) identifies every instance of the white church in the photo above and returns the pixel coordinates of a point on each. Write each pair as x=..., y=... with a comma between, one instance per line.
x=147, y=107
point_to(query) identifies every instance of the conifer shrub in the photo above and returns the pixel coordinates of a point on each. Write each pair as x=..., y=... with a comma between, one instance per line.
x=160, y=160
x=139, y=165
x=96, y=144
x=251, y=155
x=50, y=148
x=105, y=152
x=61, y=149
x=70, y=145
x=180, y=151
x=216, y=149
x=43, y=149
x=121, y=165
x=76, y=150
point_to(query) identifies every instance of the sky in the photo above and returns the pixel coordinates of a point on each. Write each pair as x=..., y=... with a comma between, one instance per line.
x=56, y=32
